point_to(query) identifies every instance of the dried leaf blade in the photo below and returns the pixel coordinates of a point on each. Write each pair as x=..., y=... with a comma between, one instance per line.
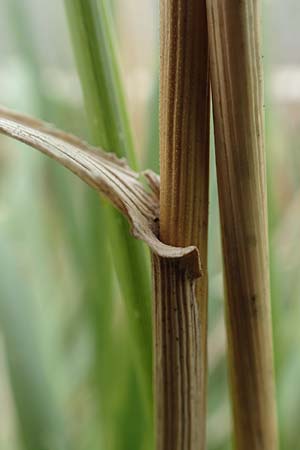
x=107, y=174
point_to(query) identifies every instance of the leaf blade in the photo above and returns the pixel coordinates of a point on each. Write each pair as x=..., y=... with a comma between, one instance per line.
x=105, y=173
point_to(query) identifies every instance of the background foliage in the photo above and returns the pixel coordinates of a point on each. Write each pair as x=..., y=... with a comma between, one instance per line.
x=67, y=372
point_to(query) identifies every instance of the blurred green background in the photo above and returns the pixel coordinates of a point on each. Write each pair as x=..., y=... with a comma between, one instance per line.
x=67, y=376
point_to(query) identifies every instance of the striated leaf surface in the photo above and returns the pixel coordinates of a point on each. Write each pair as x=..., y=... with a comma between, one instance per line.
x=109, y=175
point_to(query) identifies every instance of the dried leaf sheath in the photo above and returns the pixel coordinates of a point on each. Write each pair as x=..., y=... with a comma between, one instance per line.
x=108, y=175
x=177, y=357
x=236, y=73
x=184, y=158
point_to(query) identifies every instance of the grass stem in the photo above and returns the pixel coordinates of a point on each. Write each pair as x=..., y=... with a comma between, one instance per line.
x=181, y=323
x=237, y=88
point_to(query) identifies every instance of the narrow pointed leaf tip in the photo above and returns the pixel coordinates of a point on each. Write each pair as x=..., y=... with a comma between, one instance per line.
x=107, y=174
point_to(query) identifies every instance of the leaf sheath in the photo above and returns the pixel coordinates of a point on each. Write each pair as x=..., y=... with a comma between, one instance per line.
x=184, y=158
x=178, y=357
x=236, y=72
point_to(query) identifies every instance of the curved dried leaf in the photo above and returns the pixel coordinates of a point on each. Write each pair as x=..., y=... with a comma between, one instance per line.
x=107, y=174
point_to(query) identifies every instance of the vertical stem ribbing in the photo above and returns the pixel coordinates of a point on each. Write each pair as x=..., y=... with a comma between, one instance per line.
x=184, y=156
x=236, y=72
x=178, y=360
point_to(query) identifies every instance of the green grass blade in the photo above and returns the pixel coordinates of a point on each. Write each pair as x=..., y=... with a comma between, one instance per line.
x=87, y=243
x=152, y=144
x=91, y=28
x=93, y=45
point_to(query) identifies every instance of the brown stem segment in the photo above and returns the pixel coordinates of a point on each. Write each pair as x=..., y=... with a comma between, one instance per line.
x=184, y=148
x=236, y=72
x=178, y=357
